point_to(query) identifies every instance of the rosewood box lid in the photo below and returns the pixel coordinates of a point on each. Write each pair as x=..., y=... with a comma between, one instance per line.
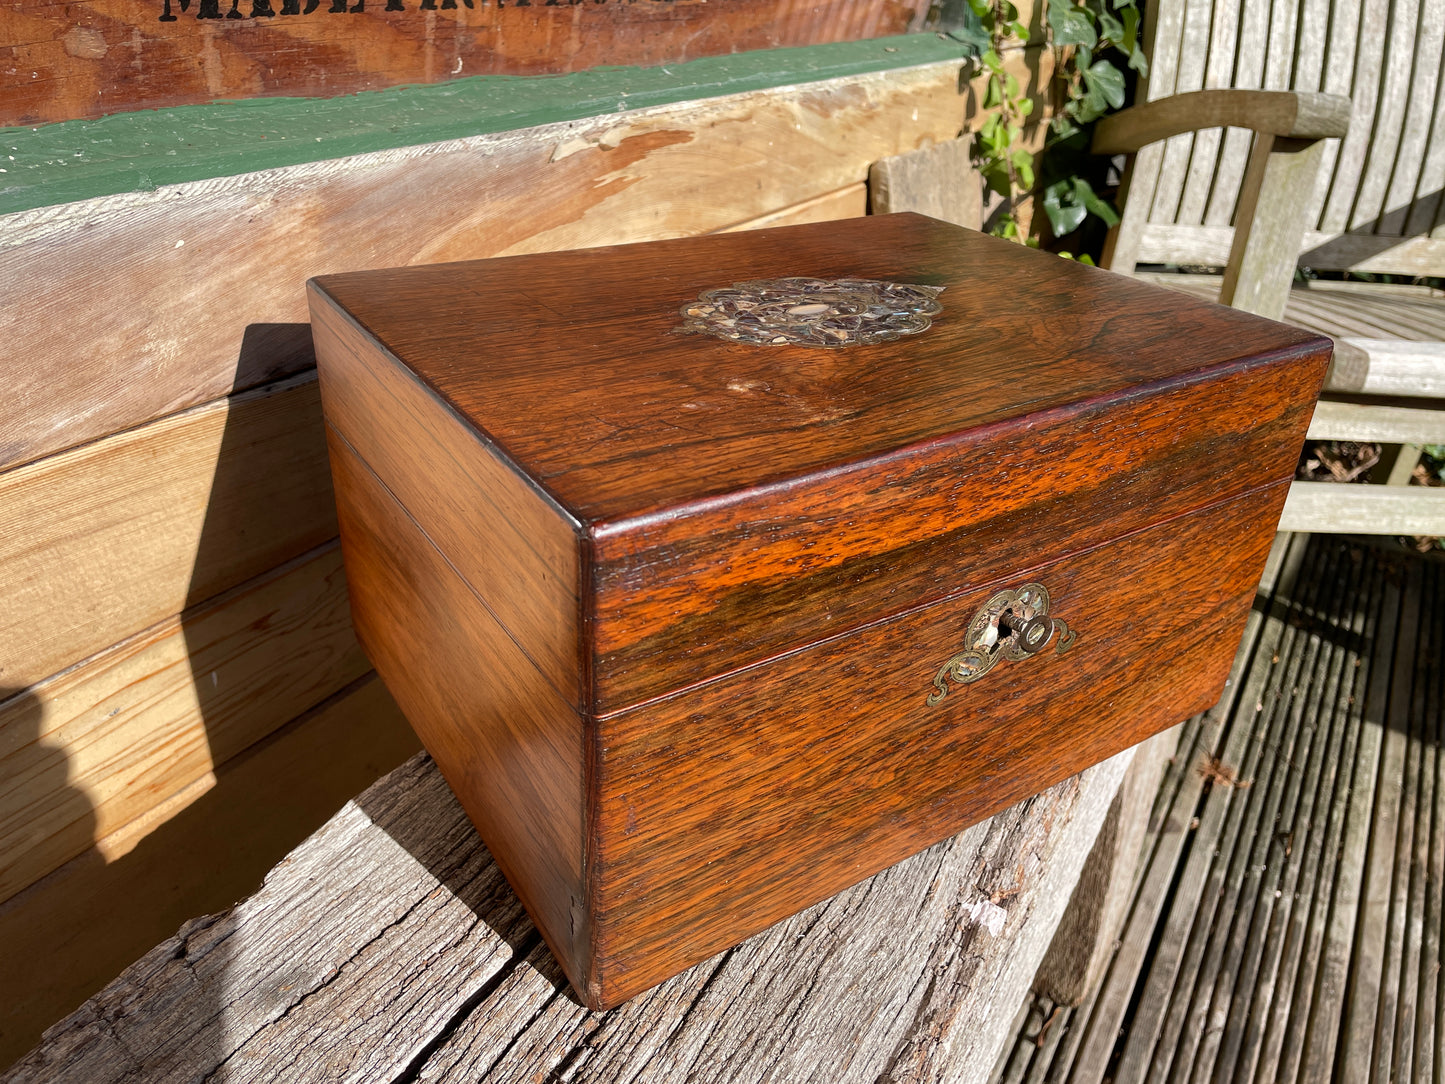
x=569, y=363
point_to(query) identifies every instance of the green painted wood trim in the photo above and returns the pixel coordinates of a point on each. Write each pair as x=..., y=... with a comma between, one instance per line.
x=138, y=152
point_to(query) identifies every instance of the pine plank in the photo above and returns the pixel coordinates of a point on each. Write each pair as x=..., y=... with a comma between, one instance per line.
x=115, y=536
x=386, y=947
x=68, y=935
x=105, y=742
x=105, y=292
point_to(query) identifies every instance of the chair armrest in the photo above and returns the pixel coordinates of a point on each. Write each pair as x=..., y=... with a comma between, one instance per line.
x=1290, y=113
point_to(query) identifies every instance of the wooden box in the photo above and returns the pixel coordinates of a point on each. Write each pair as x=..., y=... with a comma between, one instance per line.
x=701, y=632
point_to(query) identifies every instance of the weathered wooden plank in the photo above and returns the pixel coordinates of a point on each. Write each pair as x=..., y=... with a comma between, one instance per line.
x=1246, y=987
x=1384, y=138
x=938, y=181
x=1200, y=743
x=1154, y=1034
x=1364, y=92
x=1086, y=938
x=1369, y=1020
x=1428, y=1055
x=1192, y=1025
x=1332, y=962
x=1188, y=75
x=1423, y=218
x=1409, y=177
x=1224, y=43
x=110, y=538
x=103, y=294
x=1208, y=246
x=1383, y=422
x=68, y=935
x=1412, y=855
x=1305, y=844
x=851, y=201
x=103, y=743
x=103, y=56
x=1391, y=510
x=393, y=919
x=1222, y=172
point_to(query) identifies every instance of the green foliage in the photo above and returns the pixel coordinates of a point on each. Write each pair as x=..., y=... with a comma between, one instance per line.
x=1095, y=43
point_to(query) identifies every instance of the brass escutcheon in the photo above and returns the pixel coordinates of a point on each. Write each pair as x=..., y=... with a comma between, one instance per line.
x=1011, y=625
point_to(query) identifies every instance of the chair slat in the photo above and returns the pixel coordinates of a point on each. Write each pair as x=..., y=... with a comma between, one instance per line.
x=1390, y=110
x=1364, y=93
x=1424, y=83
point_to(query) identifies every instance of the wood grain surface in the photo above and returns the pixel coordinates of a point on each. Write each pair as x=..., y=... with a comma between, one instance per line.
x=99, y=299
x=70, y=60
x=105, y=540
x=724, y=808
x=388, y=947
x=510, y=746
x=880, y=477
x=493, y=524
x=69, y=934
x=115, y=738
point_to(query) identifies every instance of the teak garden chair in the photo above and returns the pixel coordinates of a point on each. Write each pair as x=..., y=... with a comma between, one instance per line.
x=1306, y=133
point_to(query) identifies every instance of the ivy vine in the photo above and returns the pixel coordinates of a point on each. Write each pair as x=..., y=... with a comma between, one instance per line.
x=1095, y=42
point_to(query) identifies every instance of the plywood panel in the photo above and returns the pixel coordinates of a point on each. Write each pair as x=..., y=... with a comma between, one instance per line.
x=110, y=538
x=124, y=308
x=87, y=752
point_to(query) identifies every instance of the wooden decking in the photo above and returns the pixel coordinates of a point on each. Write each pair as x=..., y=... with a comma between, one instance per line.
x=1286, y=921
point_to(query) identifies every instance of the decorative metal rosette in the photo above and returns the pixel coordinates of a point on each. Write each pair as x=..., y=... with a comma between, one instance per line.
x=813, y=312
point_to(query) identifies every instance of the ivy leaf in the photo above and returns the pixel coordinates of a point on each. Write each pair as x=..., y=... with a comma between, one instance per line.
x=1084, y=193
x=1111, y=29
x=980, y=8
x=1071, y=25
x=1020, y=31
x=1065, y=213
x=1107, y=80
x=1024, y=166
x=1129, y=43
x=1063, y=126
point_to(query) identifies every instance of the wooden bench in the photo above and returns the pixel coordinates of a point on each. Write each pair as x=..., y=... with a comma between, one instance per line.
x=1236, y=162
x=388, y=947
